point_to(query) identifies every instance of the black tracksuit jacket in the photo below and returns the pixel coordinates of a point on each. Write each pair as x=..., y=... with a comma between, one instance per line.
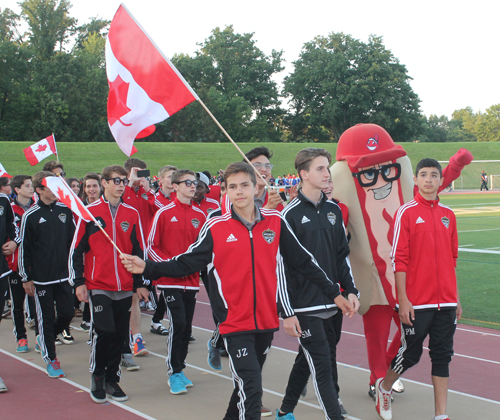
x=321, y=231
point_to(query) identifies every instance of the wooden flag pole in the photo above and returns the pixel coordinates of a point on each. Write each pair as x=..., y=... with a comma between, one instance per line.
x=95, y=220
x=232, y=141
x=55, y=144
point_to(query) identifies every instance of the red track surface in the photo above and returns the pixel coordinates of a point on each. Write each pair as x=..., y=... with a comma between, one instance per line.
x=475, y=368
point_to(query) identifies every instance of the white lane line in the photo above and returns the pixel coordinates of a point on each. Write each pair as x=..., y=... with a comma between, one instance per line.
x=478, y=332
x=68, y=381
x=478, y=230
x=479, y=251
x=475, y=204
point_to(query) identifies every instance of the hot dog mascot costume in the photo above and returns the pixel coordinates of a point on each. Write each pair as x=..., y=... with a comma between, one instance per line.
x=373, y=177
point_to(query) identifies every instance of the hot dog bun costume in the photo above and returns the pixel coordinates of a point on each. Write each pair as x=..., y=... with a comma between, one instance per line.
x=373, y=177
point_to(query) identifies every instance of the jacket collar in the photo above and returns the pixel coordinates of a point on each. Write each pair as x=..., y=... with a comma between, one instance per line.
x=304, y=199
x=45, y=206
x=427, y=203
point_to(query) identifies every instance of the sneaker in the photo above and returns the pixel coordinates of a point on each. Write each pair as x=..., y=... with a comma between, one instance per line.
x=54, y=369
x=22, y=346
x=288, y=416
x=187, y=383
x=176, y=384
x=39, y=348
x=223, y=353
x=57, y=341
x=3, y=387
x=265, y=412
x=128, y=363
x=371, y=393
x=78, y=313
x=115, y=392
x=342, y=409
x=213, y=358
x=191, y=339
x=399, y=386
x=66, y=337
x=139, y=349
x=160, y=330
x=85, y=326
x=383, y=402
x=31, y=323
x=304, y=391
x=97, y=392
x=150, y=307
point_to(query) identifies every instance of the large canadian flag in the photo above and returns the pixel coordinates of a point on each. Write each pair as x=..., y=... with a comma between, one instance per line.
x=66, y=195
x=3, y=172
x=144, y=86
x=40, y=150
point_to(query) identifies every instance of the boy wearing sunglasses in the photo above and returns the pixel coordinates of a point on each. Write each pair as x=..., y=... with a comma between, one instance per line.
x=104, y=284
x=175, y=227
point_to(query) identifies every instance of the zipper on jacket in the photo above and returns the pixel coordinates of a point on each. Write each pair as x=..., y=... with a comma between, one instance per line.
x=118, y=283
x=435, y=257
x=254, y=285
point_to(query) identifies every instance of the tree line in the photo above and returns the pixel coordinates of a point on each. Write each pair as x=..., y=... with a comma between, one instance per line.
x=53, y=79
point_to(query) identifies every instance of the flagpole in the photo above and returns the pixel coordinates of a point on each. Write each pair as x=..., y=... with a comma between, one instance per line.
x=232, y=141
x=55, y=145
x=94, y=219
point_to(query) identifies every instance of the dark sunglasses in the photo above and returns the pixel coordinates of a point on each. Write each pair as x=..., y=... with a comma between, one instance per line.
x=117, y=181
x=188, y=182
x=369, y=177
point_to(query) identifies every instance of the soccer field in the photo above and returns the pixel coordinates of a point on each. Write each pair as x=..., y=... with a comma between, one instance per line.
x=478, y=268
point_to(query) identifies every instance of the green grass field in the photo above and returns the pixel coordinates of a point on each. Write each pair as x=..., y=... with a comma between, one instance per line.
x=478, y=214
x=478, y=223
x=80, y=158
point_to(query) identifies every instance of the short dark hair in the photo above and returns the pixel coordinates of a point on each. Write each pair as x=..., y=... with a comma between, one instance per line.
x=238, y=167
x=108, y=170
x=134, y=163
x=91, y=175
x=18, y=180
x=70, y=180
x=179, y=173
x=4, y=181
x=258, y=151
x=428, y=163
x=39, y=177
x=304, y=158
x=51, y=165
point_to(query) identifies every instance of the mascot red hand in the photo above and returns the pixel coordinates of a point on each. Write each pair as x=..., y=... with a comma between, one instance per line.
x=373, y=177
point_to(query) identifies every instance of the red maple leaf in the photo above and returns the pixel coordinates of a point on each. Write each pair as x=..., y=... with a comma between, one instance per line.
x=41, y=148
x=117, y=101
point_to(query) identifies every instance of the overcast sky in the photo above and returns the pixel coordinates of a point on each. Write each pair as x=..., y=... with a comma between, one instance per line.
x=451, y=49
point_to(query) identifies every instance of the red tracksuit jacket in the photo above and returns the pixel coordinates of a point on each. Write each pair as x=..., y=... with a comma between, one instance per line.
x=175, y=227
x=425, y=247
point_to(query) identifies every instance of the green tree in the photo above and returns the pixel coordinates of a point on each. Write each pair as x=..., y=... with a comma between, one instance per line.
x=461, y=125
x=234, y=79
x=437, y=128
x=487, y=127
x=339, y=81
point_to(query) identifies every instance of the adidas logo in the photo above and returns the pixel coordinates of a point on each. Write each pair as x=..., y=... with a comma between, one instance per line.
x=42, y=220
x=305, y=220
x=174, y=219
x=420, y=220
x=231, y=238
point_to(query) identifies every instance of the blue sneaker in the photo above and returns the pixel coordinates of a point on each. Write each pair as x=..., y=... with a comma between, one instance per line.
x=139, y=349
x=176, y=384
x=288, y=416
x=39, y=347
x=22, y=346
x=187, y=383
x=54, y=369
x=213, y=358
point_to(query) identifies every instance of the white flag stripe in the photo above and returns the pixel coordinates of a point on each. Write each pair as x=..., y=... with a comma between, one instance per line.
x=144, y=112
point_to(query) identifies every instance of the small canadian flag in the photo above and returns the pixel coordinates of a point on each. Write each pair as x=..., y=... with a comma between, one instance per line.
x=3, y=172
x=40, y=150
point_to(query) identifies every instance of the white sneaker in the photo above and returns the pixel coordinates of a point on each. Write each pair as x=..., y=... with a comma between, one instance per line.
x=383, y=402
x=3, y=388
x=398, y=386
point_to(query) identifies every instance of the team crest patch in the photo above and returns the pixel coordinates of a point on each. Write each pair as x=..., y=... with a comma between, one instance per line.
x=332, y=218
x=195, y=223
x=1, y=210
x=372, y=143
x=446, y=221
x=145, y=196
x=124, y=226
x=269, y=235
x=62, y=217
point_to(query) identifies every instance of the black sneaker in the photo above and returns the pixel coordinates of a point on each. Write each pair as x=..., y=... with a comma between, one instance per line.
x=97, y=392
x=115, y=392
x=191, y=339
x=66, y=337
x=160, y=330
x=85, y=326
x=58, y=342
